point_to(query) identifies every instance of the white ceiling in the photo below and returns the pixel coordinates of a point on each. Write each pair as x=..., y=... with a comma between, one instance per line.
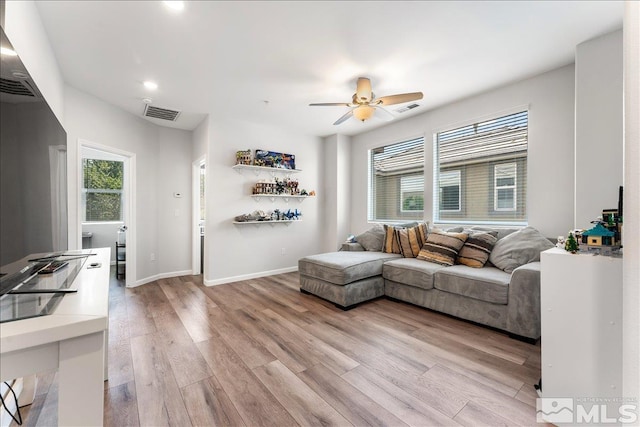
x=227, y=58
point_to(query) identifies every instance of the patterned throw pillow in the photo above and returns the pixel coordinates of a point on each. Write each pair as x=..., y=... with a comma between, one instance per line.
x=390, y=244
x=411, y=240
x=476, y=250
x=442, y=247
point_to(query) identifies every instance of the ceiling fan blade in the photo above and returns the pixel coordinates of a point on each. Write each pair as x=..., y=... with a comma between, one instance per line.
x=363, y=89
x=398, y=99
x=383, y=114
x=344, y=117
x=330, y=104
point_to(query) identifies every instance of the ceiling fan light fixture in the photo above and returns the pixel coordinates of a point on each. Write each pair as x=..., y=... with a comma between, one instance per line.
x=363, y=89
x=363, y=112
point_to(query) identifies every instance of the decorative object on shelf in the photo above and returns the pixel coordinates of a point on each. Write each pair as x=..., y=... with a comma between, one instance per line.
x=571, y=245
x=243, y=157
x=303, y=192
x=274, y=216
x=312, y=192
x=600, y=240
x=277, y=186
x=561, y=241
x=273, y=159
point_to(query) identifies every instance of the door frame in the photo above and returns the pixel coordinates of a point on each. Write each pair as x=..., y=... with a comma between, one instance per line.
x=129, y=215
x=195, y=233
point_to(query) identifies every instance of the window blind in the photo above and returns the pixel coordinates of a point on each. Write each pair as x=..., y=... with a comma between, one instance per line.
x=396, y=181
x=480, y=172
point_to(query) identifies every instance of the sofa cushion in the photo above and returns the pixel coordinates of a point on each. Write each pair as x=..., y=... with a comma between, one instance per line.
x=519, y=248
x=477, y=248
x=372, y=239
x=341, y=268
x=486, y=284
x=442, y=247
x=410, y=240
x=411, y=271
x=501, y=232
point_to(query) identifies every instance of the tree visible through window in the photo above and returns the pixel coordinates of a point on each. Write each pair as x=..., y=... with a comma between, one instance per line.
x=102, y=190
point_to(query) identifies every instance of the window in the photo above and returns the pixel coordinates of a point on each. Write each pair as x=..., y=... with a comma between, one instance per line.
x=396, y=181
x=412, y=193
x=450, y=191
x=102, y=190
x=480, y=172
x=504, y=184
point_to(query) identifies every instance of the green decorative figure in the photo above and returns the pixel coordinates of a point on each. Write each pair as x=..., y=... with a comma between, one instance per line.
x=571, y=245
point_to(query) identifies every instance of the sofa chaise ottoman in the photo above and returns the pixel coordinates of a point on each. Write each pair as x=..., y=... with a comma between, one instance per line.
x=344, y=278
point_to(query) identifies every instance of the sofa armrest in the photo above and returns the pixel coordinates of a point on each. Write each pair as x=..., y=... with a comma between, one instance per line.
x=352, y=247
x=523, y=309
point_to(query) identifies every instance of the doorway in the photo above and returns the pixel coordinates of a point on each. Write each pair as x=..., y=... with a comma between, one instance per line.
x=198, y=252
x=106, y=205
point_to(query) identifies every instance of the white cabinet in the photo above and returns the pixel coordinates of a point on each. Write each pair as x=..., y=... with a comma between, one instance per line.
x=581, y=302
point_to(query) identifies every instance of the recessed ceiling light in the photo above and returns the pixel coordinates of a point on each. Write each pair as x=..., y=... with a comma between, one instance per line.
x=150, y=85
x=175, y=5
x=7, y=51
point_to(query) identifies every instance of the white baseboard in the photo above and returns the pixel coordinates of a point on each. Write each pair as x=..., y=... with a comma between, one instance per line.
x=232, y=279
x=161, y=276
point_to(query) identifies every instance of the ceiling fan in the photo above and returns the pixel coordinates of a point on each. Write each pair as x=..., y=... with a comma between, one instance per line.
x=364, y=103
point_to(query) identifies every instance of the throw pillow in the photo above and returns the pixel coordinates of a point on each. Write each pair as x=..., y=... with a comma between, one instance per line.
x=519, y=248
x=372, y=239
x=411, y=240
x=442, y=247
x=477, y=248
x=390, y=245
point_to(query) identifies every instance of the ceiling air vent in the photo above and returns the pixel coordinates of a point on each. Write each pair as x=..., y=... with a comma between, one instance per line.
x=161, y=113
x=407, y=108
x=17, y=87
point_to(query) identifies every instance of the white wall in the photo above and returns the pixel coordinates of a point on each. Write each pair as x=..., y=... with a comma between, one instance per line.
x=200, y=140
x=550, y=99
x=173, y=175
x=236, y=252
x=26, y=33
x=104, y=236
x=599, y=127
x=631, y=229
x=337, y=194
x=159, y=154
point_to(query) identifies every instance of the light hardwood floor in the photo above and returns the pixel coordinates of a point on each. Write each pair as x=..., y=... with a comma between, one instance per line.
x=259, y=352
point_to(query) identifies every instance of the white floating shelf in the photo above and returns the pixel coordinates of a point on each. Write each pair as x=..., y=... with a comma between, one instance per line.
x=284, y=221
x=273, y=197
x=257, y=170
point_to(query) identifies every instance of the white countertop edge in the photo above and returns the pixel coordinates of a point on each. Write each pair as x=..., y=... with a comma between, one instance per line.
x=60, y=327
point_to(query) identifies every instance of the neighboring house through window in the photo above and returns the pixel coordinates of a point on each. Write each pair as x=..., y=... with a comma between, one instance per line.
x=102, y=190
x=480, y=172
x=396, y=181
x=450, y=200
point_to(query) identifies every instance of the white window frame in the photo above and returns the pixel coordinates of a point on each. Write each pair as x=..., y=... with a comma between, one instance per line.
x=513, y=187
x=457, y=175
x=413, y=189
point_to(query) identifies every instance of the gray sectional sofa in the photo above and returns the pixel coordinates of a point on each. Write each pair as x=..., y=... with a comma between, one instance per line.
x=487, y=295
